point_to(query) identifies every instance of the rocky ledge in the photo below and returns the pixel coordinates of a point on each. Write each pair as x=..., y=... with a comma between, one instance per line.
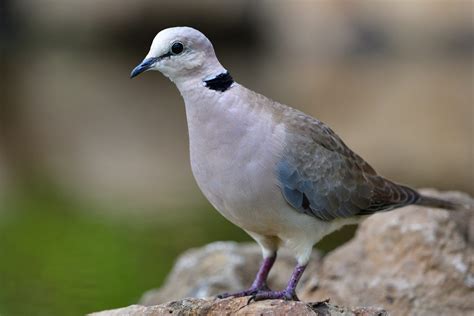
x=239, y=306
x=412, y=261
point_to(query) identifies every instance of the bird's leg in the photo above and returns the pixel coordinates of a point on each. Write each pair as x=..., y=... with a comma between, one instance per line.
x=287, y=294
x=260, y=282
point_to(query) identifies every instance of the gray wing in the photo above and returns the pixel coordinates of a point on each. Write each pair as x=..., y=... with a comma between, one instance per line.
x=320, y=176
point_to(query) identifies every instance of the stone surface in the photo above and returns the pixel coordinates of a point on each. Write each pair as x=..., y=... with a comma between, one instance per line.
x=239, y=306
x=412, y=261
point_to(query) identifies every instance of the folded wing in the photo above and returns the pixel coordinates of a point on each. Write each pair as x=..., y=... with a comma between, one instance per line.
x=320, y=176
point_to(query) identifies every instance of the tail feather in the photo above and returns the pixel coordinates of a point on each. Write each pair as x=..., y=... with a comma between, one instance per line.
x=439, y=203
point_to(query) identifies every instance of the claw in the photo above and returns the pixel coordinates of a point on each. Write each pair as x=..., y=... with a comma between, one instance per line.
x=252, y=291
x=286, y=295
x=251, y=298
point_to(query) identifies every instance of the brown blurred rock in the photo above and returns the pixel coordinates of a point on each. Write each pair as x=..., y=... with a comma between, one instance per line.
x=104, y=138
x=222, y=267
x=239, y=306
x=412, y=261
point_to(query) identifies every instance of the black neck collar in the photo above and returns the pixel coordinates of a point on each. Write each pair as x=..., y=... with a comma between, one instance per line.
x=221, y=82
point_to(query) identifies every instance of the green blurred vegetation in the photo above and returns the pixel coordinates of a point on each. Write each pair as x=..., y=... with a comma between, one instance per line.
x=60, y=256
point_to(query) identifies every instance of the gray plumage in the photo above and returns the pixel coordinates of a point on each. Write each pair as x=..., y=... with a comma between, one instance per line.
x=322, y=177
x=284, y=177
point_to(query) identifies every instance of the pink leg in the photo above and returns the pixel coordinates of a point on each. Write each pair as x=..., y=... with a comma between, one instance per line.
x=260, y=282
x=287, y=294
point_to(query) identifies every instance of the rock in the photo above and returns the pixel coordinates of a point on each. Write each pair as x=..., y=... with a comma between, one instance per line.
x=239, y=306
x=222, y=267
x=412, y=261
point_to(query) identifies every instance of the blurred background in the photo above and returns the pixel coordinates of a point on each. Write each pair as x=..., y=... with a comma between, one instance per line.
x=96, y=193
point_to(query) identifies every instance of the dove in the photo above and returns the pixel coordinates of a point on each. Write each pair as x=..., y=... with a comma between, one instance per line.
x=282, y=176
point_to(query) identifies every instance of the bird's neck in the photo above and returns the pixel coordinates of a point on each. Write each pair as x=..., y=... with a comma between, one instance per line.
x=217, y=78
x=206, y=96
x=220, y=82
x=211, y=104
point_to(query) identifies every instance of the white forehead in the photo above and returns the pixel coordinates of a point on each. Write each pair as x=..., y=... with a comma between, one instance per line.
x=187, y=35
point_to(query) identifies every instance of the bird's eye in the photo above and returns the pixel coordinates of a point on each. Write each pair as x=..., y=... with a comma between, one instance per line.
x=177, y=48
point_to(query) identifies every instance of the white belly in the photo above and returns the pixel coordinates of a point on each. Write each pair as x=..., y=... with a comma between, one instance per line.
x=238, y=178
x=245, y=191
x=234, y=151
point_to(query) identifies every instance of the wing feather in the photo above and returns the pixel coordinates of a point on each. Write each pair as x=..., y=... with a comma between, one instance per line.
x=320, y=176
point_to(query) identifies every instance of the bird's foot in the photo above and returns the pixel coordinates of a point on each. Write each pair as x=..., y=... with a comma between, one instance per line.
x=287, y=295
x=251, y=291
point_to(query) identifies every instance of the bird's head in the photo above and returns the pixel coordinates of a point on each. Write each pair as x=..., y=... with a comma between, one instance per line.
x=180, y=52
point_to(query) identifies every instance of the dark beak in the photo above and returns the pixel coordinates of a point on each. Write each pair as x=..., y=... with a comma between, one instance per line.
x=144, y=66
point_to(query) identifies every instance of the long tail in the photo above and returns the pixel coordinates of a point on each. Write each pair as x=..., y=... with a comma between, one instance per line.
x=439, y=203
